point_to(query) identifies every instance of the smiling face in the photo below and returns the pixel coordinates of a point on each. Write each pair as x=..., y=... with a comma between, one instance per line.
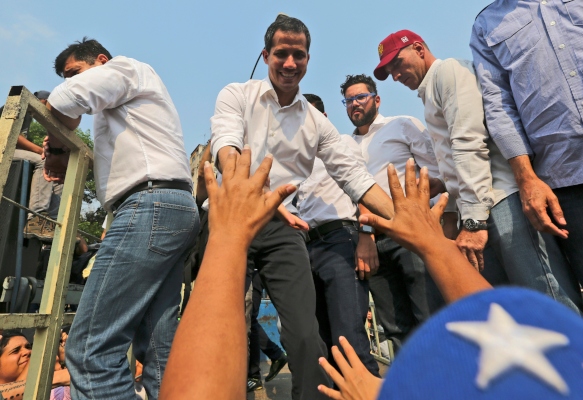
x=361, y=114
x=287, y=62
x=14, y=359
x=409, y=66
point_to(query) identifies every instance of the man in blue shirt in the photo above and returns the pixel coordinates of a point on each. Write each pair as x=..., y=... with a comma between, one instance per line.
x=528, y=57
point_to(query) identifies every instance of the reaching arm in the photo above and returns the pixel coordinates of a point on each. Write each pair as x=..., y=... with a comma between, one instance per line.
x=25, y=144
x=367, y=256
x=376, y=200
x=201, y=192
x=238, y=210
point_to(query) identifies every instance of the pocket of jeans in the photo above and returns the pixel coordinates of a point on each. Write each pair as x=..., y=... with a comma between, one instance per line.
x=171, y=226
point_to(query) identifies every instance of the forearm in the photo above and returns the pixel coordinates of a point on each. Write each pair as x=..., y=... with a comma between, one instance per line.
x=219, y=291
x=222, y=156
x=61, y=378
x=27, y=145
x=452, y=273
x=522, y=169
x=70, y=123
x=377, y=201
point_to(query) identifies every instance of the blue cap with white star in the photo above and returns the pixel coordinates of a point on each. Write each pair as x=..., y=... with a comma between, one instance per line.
x=506, y=343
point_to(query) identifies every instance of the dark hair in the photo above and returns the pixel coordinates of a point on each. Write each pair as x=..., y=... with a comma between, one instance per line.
x=355, y=79
x=286, y=24
x=85, y=50
x=316, y=101
x=6, y=336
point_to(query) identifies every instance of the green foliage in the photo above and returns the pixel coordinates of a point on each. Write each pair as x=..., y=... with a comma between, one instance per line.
x=91, y=221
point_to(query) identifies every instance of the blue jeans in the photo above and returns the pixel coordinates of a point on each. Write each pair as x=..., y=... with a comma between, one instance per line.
x=132, y=295
x=341, y=298
x=526, y=257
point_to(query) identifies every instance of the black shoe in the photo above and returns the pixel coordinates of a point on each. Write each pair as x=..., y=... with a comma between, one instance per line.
x=276, y=366
x=254, y=384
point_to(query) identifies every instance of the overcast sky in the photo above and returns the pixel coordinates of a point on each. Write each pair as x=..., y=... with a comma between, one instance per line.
x=199, y=47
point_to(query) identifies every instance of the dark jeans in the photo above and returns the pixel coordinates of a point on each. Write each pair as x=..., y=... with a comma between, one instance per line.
x=341, y=298
x=258, y=339
x=403, y=292
x=571, y=201
x=279, y=254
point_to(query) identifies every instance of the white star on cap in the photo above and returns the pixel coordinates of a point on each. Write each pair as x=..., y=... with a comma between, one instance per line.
x=505, y=345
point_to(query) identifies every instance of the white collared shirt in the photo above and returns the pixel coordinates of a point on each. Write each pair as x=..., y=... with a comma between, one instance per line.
x=136, y=128
x=249, y=113
x=395, y=140
x=320, y=199
x=473, y=169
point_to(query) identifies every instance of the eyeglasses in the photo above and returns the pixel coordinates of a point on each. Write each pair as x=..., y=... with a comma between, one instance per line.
x=360, y=99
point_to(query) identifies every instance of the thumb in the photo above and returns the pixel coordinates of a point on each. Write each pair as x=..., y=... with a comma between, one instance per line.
x=276, y=197
x=439, y=207
x=378, y=223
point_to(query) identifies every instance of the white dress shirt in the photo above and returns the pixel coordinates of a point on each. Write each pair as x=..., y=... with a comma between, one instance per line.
x=320, y=199
x=475, y=172
x=136, y=128
x=249, y=113
x=395, y=140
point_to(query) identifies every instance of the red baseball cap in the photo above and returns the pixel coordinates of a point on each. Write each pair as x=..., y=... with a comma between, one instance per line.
x=389, y=48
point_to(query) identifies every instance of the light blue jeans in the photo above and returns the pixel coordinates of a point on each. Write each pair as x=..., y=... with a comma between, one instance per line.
x=132, y=296
x=518, y=254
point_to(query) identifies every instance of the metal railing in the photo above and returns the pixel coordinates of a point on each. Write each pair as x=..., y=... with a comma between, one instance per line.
x=51, y=315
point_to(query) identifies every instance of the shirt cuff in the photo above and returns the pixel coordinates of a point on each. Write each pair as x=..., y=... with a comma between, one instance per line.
x=355, y=192
x=478, y=212
x=63, y=101
x=218, y=143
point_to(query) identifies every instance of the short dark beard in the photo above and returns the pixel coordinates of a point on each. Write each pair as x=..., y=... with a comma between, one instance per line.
x=367, y=118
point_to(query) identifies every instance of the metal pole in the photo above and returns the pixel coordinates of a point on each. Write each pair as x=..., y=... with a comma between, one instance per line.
x=20, y=245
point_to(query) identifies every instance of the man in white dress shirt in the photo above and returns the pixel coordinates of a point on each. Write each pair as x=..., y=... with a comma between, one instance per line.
x=272, y=117
x=404, y=293
x=334, y=245
x=495, y=235
x=142, y=174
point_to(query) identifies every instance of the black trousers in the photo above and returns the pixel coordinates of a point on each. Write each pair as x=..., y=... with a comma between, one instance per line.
x=279, y=254
x=258, y=339
x=403, y=292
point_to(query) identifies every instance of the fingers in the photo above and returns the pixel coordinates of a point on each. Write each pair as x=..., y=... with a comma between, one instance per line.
x=362, y=268
x=439, y=208
x=378, y=223
x=275, y=198
x=555, y=209
x=333, y=394
x=543, y=223
x=480, y=258
x=395, y=185
x=353, y=358
x=244, y=164
x=261, y=175
x=210, y=181
x=330, y=370
x=230, y=165
x=341, y=362
x=423, y=186
x=411, y=189
x=471, y=256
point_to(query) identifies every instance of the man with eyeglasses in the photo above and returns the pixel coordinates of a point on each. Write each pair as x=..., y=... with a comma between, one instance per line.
x=335, y=256
x=404, y=293
x=495, y=236
x=272, y=117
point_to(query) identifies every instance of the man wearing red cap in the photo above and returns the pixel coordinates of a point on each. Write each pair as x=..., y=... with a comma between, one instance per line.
x=494, y=231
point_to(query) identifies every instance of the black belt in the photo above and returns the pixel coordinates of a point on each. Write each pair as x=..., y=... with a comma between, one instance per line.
x=328, y=227
x=180, y=185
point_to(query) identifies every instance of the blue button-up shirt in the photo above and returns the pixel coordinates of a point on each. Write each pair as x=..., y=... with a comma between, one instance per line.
x=528, y=55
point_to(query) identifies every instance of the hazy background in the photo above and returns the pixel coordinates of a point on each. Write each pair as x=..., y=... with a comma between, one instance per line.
x=199, y=47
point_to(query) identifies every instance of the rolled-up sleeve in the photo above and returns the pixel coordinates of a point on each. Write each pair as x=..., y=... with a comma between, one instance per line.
x=96, y=89
x=227, y=124
x=502, y=116
x=461, y=102
x=350, y=173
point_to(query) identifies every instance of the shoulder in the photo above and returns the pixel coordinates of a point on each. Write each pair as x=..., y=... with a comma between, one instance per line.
x=483, y=9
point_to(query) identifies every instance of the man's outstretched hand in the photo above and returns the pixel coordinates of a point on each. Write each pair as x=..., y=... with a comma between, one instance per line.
x=239, y=209
x=356, y=382
x=415, y=226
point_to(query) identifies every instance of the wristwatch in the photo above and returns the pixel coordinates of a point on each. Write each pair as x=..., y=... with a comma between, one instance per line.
x=473, y=225
x=366, y=229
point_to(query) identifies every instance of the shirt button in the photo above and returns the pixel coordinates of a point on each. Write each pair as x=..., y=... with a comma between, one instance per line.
x=561, y=46
x=543, y=2
x=572, y=73
x=553, y=23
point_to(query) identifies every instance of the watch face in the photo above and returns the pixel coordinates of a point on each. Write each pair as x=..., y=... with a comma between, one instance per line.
x=470, y=224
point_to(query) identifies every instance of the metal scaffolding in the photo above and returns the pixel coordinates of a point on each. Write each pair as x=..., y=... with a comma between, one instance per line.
x=51, y=313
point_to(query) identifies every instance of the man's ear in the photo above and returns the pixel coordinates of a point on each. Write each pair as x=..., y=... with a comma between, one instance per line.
x=420, y=49
x=265, y=54
x=102, y=58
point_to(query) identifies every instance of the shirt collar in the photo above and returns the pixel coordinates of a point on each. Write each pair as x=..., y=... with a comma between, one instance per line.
x=267, y=87
x=423, y=86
